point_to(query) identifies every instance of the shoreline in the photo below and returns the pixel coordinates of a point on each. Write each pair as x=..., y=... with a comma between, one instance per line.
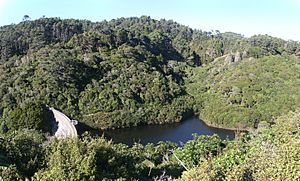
x=221, y=127
x=184, y=118
x=226, y=128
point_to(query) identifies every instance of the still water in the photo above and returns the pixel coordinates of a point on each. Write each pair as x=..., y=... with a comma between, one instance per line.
x=178, y=132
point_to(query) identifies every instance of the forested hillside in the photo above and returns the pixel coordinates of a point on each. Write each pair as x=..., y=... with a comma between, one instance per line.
x=243, y=94
x=132, y=71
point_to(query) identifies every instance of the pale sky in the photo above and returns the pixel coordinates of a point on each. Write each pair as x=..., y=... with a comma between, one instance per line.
x=280, y=18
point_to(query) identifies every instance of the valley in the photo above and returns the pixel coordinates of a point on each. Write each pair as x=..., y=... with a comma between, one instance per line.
x=149, y=84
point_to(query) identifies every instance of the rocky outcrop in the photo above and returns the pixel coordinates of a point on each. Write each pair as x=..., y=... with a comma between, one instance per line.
x=298, y=54
x=235, y=57
x=245, y=55
x=229, y=59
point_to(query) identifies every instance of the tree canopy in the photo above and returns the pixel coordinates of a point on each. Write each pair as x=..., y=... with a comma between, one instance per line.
x=128, y=71
x=131, y=71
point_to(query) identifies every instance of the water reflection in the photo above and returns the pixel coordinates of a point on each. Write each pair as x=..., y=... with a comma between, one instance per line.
x=178, y=132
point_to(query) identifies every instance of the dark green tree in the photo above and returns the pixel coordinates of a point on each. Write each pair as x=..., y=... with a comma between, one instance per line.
x=33, y=115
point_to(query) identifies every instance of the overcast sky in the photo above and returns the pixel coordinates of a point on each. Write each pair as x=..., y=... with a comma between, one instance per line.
x=280, y=18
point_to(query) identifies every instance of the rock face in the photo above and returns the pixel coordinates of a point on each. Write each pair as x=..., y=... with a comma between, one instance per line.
x=229, y=59
x=245, y=55
x=298, y=54
x=237, y=57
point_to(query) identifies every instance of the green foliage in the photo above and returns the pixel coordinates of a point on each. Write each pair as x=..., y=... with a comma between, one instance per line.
x=268, y=45
x=9, y=173
x=276, y=151
x=247, y=92
x=97, y=159
x=34, y=115
x=201, y=148
x=23, y=149
x=255, y=52
x=69, y=159
x=132, y=71
x=266, y=153
x=124, y=72
x=92, y=69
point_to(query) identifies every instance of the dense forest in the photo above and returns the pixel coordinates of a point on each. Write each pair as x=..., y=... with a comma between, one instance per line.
x=133, y=71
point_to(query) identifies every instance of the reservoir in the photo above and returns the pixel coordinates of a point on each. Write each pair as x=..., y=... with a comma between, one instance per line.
x=176, y=132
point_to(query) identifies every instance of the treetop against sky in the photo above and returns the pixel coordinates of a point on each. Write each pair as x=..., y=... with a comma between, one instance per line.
x=274, y=17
